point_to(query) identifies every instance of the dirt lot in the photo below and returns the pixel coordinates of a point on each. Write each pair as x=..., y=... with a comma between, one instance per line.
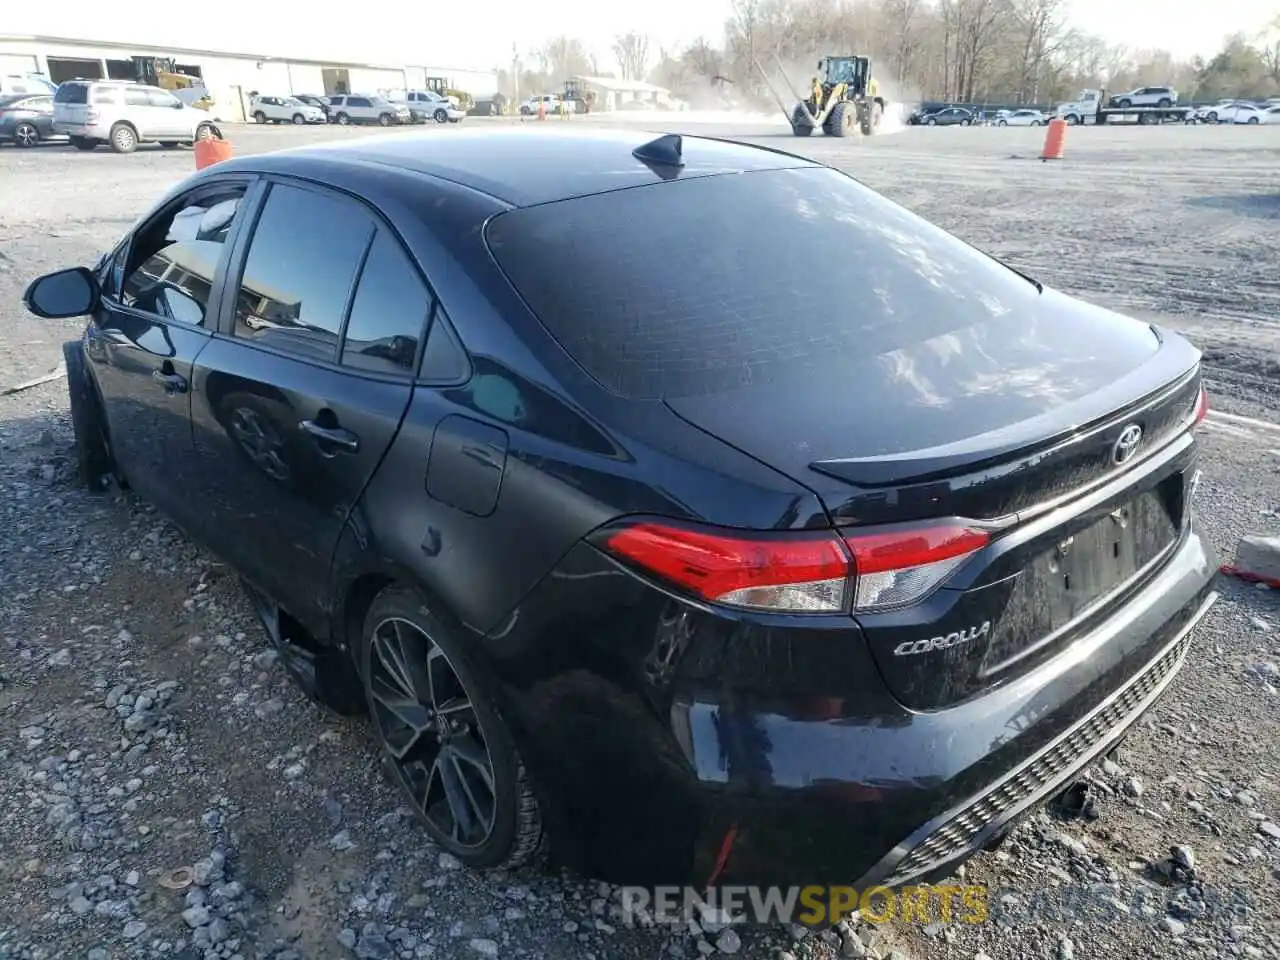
x=143, y=726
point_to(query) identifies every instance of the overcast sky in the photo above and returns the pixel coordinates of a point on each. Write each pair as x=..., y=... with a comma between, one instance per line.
x=1185, y=27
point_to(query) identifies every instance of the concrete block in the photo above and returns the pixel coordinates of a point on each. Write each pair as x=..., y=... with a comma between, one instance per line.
x=1260, y=556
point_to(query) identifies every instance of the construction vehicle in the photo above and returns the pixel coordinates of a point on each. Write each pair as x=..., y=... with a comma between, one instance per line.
x=842, y=98
x=162, y=72
x=582, y=98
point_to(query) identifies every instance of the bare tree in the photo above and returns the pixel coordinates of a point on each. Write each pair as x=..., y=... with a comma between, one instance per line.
x=901, y=20
x=632, y=51
x=564, y=57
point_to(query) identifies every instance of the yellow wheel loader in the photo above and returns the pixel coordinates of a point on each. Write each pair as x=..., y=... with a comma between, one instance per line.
x=843, y=98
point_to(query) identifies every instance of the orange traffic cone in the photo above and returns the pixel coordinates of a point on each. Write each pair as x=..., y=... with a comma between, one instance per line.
x=211, y=151
x=1055, y=140
x=542, y=109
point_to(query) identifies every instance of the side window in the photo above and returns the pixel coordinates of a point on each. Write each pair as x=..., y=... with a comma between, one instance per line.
x=360, y=102
x=298, y=275
x=159, y=98
x=388, y=312
x=172, y=261
x=444, y=360
x=136, y=97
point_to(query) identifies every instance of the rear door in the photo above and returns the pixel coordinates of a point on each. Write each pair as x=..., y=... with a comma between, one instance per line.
x=168, y=115
x=71, y=105
x=294, y=407
x=160, y=297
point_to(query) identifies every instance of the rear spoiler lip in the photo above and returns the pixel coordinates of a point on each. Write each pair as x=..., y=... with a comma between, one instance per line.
x=1029, y=438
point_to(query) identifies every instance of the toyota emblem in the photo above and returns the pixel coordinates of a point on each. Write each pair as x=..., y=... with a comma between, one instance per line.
x=1127, y=444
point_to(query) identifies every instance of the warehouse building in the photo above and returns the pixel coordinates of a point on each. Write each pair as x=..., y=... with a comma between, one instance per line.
x=612, y=93
x=229, y=77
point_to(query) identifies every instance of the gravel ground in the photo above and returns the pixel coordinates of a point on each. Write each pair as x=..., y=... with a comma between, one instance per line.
x=144, y=727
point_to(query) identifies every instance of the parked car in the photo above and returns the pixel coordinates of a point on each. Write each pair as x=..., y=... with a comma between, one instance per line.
x=1238, y=111
x=685, y=596
x=1023, y=118
x=948, y=117
x=125, y=114
x=427, y=105
x=347, y=109
x=320, y=103
x=266, y=109
x=1145, y=97
x=26, y=119
x=550, y=103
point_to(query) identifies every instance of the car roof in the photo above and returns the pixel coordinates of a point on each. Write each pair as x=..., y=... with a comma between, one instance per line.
x=523, y=167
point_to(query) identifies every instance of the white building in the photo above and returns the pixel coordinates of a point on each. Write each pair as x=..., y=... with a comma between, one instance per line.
x=230, y=77
x=614, y=94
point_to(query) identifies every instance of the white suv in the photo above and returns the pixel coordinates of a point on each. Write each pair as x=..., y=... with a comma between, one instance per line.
x=428, y=105
x=284, y=110
x=345, y=109
x=1146, y=97
x=125, y=114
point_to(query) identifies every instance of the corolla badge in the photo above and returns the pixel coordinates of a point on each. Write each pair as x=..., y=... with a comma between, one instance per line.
x=1127, y=444
x=911, y=648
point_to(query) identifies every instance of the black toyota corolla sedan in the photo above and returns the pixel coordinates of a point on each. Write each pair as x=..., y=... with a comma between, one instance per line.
x=683, y=502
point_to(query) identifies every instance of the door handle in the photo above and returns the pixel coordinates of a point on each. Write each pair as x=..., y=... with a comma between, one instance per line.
x=172, y=382
x=341, y=440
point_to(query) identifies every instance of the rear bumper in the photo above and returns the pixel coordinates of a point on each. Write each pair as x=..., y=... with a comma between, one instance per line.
x=670, y=745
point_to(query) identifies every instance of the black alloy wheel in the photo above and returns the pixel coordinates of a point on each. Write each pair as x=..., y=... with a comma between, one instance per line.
x=445, y=745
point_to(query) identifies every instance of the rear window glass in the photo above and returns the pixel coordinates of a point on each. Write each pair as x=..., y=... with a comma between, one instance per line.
x=710, y=284
x=71, y=93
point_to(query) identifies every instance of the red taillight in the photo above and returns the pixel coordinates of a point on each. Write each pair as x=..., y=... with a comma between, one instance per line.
x=1202, y=407
x=792, y=573
x=799, y=572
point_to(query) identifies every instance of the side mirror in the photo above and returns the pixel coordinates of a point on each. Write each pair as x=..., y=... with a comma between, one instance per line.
x=67, y=293
x=178, y=105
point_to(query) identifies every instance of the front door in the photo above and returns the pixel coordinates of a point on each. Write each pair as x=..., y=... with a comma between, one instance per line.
x=292, y=418
x=157, y=313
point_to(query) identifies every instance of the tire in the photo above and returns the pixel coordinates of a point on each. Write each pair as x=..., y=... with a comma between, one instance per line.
x=1124, y=104
x=299, y=119
x=841, y=121
x=124, y=139
x=1165, y=102
x=401, y=620
x=384, y=119
x=871, y=118
x=800, y=123
x=1072, y=120
x=1002, y=123
x=1212, y=117
x=343, y=119
x=441, y=115
x=26, y=135
x=931, y=122
x=93, y=453
x=259, y=117
x=964, y=123
x=206, y=131
x=525, y=112
x=1252, y=120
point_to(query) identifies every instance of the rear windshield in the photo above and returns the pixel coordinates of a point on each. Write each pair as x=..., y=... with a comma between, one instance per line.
x=71, y=93
x=709, y=284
